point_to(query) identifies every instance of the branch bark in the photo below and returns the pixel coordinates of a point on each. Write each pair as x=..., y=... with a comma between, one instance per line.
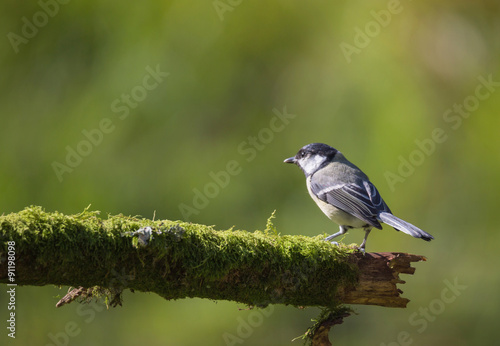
x=179, y=260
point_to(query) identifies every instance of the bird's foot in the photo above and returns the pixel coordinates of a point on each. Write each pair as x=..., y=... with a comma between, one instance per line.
x=329, y=239
x=362, y=250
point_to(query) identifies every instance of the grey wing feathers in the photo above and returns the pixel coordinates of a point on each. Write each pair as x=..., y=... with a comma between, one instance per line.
x=360, y=200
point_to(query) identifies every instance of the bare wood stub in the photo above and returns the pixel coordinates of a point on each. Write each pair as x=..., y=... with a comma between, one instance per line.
x=379, y=274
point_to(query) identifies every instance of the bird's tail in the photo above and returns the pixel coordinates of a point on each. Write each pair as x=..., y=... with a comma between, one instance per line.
x=402, y=225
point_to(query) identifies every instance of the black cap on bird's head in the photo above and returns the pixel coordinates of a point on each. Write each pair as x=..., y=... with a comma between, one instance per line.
x=313, y=149
x=312, y=156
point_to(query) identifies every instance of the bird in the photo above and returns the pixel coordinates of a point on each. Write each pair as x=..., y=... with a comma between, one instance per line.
x=345, y=194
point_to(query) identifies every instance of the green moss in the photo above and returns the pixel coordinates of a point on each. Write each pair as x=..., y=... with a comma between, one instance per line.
x=328, y=317
x=177, y=260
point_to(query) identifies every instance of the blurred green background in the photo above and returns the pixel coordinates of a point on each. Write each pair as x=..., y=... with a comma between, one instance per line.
x=377, y=80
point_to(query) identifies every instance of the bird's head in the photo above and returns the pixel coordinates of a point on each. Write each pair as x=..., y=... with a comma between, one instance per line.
x=313, y=156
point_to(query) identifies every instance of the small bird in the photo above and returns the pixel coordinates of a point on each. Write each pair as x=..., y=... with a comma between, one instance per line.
x=345, y=194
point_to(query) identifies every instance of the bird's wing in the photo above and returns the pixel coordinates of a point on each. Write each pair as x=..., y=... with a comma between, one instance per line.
x=360, y=200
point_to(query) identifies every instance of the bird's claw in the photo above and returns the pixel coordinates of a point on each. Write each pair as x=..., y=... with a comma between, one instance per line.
x=331, y=241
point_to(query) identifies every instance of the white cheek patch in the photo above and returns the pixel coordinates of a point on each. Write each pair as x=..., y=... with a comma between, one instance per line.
x=310, y=164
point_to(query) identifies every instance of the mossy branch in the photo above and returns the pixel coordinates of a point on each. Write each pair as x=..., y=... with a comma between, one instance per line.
x=178, y=260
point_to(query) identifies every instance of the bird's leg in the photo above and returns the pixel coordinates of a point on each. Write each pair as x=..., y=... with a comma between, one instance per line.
x=342, y=230
x=362, y=247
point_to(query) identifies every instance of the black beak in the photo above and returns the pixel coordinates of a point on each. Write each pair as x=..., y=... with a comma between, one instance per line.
x=290, y=160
